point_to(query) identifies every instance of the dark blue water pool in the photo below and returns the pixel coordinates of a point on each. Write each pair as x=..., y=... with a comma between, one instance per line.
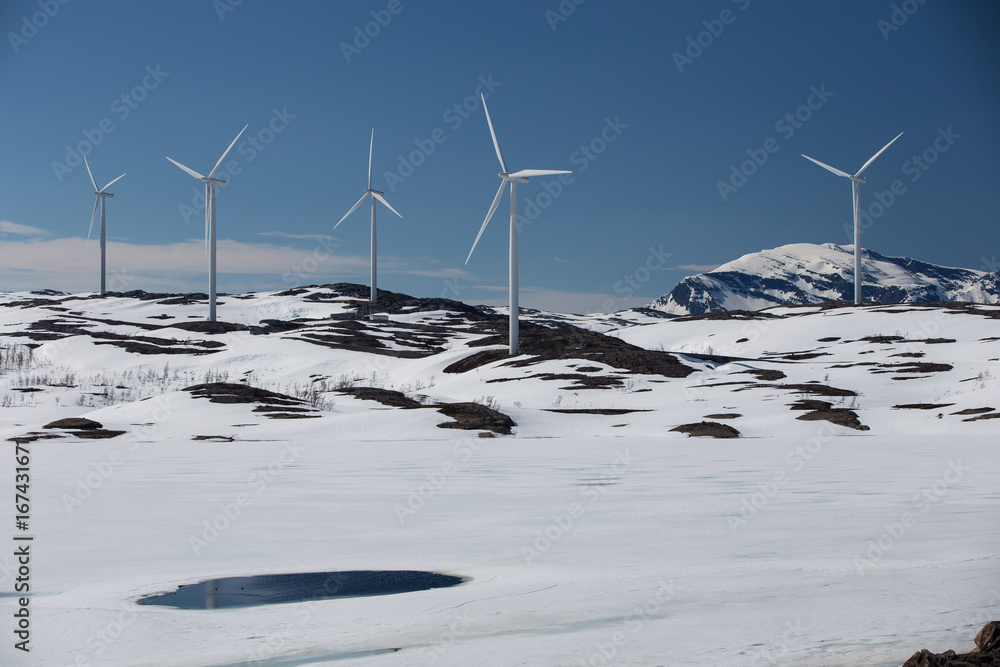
x=298, y=587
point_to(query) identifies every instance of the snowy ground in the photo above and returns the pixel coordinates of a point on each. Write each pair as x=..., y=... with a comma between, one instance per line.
x=589, y=539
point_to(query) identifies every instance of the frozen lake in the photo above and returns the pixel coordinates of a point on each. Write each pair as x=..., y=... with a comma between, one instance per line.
x=825, y=550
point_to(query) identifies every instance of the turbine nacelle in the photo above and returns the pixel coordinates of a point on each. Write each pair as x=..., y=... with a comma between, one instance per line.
x=210, y=183
x=856, y=182
x=513, y=178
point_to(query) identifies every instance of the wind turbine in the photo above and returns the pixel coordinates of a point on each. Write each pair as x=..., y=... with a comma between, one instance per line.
x=375, y=194
x=102, y=194
x=210, y=184
x=512, y=178
x=856, y=182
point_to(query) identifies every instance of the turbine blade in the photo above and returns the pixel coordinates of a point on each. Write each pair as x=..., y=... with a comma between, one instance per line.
x=89, y=172
x=214, y=169
x=496, y=144
x=876, y=155
x=104, y=189
x=382, y=199
x=190, y=171
x=528, y=173
x=828, y=167
x=92, y=216
x=493, y=208
x=353, y=209
x=370, y=146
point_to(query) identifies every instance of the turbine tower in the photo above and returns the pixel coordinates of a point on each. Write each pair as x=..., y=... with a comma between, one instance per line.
x=379, y=195
x=210, y=184
x=856, y=182
x=102, y=194
x=512, y=178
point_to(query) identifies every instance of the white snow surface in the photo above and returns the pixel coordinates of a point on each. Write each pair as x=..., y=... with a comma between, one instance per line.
x=811, y=273
x=586, y=539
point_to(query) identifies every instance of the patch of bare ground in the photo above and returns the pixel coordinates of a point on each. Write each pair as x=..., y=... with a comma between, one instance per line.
x=729, y=315
x=82, y=427
x=912, y=367
x=80, y=423
x=824, y=411
x=990, y=415
x=799, y=356
x=214, y=438
x=724, y=415
x=593, y=411
x=766, y=374
x=544, y=344
x=467, y=416
x=272, y=404
x=828, y=339
x=580, y=381
x=32, y=436
x=708, y=430
x=808, y=388
x=922, y=406
x=474, y=417
x=973, y=411
x=390, y=397
x=911, y=355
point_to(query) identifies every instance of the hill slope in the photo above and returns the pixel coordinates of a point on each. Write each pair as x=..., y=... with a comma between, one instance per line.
x=805, y=273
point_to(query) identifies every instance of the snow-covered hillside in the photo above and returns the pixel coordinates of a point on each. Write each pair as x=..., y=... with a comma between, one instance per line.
x=848, y=517
x=805, y=273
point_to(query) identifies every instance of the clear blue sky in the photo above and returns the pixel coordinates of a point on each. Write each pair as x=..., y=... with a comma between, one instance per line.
x=554, y=86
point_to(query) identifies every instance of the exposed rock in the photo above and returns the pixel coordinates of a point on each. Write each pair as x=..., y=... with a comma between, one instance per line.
x=708, y=429
x=390, y=397
x=475, y=417
x=593, y=411
x=840, y=416
x=924, y=406
x=543, y=344
x=986, y=653
x=724, y=415
x=75, y=423
x=273, y=404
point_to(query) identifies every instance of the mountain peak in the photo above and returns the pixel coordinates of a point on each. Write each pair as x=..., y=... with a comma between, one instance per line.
x=805, y=273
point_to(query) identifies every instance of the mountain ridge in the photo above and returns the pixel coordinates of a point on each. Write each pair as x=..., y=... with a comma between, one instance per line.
x=806, y=273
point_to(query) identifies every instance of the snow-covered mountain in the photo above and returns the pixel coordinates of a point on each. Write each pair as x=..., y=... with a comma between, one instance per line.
x=805, y=273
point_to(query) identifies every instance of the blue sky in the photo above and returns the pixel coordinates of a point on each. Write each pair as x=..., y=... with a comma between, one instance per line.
x=652, y=104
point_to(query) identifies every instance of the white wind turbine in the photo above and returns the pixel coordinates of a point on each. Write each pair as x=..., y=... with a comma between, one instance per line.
x=856, y=182
x=379, y=195
x=210, y=184
x=515, y=178
x=102, y=194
